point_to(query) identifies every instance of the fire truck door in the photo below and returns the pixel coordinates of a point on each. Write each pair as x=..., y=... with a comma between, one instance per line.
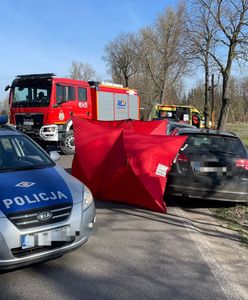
x=84, y=105
x=66, y=99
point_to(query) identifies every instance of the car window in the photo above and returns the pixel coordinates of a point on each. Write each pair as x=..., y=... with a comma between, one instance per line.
x=19, y=152
x=82, y=94
x=64, y=93
x=30, y=94
x=216, y=144
x=167, y=114
x=6, y=144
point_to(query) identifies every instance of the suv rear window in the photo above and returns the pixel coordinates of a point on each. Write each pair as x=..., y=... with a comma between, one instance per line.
x=215, y=144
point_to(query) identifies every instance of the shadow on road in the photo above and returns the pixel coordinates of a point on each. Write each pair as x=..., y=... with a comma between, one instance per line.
x=171, y=218
x=197, y=203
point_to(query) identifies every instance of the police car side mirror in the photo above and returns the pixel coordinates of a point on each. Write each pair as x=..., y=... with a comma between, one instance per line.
x=55, y=156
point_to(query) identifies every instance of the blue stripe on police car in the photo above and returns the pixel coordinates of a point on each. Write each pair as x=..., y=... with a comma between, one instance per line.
x=43, y=187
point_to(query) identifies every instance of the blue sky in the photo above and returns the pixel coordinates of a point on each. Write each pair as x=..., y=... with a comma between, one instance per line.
x=47, y=35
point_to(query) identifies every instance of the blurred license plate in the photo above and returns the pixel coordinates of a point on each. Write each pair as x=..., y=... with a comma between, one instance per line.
x=199, y=168
x=28, y=123
x=45, y=238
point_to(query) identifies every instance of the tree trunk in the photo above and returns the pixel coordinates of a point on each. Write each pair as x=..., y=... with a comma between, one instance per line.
x=164, y=92
x=126, y=80
x=207, y=102
x=225, y=103
x=161, y=97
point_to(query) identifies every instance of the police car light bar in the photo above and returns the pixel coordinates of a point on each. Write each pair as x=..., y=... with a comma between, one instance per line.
x=3, y=119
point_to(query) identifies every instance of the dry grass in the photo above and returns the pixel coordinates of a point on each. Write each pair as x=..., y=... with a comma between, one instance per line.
x=241, y=129
x=237, y=216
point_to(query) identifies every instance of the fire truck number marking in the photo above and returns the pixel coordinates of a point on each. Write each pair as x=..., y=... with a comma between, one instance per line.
x=83, y=104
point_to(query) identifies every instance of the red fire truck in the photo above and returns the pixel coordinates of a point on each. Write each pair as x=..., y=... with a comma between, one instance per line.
x=41, y=105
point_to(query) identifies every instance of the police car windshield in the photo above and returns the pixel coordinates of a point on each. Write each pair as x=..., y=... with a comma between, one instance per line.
x=20, y=153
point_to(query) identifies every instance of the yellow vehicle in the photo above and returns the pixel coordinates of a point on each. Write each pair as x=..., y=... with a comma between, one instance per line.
x=179, y=113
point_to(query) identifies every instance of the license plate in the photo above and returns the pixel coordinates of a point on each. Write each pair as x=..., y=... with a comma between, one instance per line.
x=45, y=238
x=200, y=170
x=30, y=123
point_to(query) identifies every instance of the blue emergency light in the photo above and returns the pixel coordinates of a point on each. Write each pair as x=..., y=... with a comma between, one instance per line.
x=3, y=119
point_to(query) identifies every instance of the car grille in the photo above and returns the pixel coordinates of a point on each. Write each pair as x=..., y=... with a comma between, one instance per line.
x=19, y=252
x=29, y=218
x=35, y=119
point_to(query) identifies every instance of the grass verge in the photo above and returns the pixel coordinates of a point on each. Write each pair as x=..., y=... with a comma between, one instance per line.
x=241, y=129
x=236, y=218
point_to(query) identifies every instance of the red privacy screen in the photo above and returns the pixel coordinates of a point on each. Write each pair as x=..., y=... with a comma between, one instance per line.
x=125, y=161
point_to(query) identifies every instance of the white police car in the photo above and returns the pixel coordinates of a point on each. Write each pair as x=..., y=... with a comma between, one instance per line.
x=44, y=211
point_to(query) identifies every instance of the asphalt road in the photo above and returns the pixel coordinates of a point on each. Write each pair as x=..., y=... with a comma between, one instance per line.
x=137, y=254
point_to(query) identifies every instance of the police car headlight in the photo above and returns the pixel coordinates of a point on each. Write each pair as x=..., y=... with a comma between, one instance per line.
x=87, y=199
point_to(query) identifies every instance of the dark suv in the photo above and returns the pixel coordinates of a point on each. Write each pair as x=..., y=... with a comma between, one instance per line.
x=210, y=165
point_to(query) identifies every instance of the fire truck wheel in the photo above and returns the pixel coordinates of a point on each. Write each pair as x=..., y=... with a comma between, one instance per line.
x=68, y=147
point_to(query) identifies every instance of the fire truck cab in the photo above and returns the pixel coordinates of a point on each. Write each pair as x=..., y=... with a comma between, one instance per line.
x=41, y=105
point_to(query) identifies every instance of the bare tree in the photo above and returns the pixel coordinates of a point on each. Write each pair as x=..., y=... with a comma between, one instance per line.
x=120, y=55
x=196, y=95
x=5, y=106
x=162, y=51
x=153, y=60
x=200, y=32
x=244, y=93
x=231, y=41
x=82, y=71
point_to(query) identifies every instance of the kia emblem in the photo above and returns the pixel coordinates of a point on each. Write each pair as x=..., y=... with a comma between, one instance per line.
x=44, y=216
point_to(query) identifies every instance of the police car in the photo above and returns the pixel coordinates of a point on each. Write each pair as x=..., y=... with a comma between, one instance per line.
x=44, y=211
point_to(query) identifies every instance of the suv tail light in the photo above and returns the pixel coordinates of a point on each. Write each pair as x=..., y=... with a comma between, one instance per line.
x=183, y=164
x=183, y=158
x=242, y=163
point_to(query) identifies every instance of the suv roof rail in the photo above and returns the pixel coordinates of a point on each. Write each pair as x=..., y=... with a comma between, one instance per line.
x=235, y=134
